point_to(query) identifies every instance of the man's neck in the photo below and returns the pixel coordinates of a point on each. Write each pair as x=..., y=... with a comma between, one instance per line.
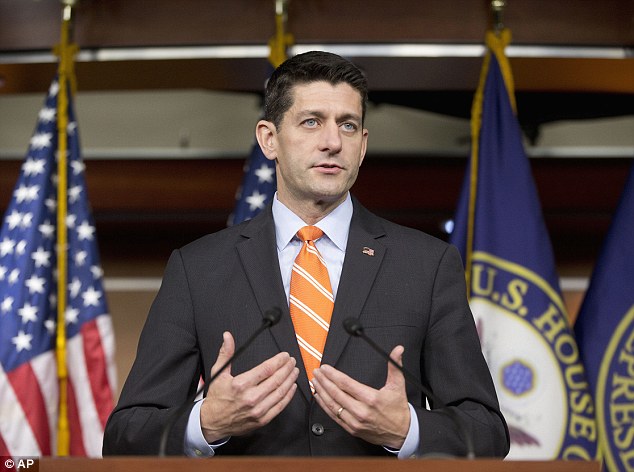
x=311, y=212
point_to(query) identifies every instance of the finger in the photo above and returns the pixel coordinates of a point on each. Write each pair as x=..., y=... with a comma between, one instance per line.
x=331, y=378
x=226, y=351
x=329, y=406
x=334, y=397
x=278, y=407
x=395, y=378
x=263, y=371
x=272, y=390
x=237, y=406
x=325, y=400
x=274, y=401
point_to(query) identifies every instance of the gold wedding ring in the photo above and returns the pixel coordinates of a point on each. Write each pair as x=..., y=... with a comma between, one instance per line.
x=339, y=411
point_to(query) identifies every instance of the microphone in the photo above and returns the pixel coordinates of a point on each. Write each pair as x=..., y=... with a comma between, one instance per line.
x=270, y=318
x=354, y=328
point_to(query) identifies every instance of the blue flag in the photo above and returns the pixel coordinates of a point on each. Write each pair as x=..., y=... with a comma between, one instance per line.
x=513, y=286
x=258, y=185
x=29, y=390
x=257, y=188
x=605, y=333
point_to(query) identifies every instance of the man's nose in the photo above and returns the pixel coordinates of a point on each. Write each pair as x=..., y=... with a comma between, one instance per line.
x=331, y=138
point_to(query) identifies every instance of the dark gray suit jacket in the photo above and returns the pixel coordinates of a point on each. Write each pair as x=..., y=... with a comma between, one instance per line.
x=411, y=291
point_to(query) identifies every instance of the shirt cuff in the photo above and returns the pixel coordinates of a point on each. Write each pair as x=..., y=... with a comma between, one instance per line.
x=195, y=443
x=410, y=445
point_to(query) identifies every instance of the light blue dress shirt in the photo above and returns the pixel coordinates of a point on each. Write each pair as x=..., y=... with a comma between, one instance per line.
x=332, y=247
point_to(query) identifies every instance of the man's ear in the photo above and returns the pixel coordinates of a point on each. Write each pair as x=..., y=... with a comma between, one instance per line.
x=364, y=145
x=266, y=134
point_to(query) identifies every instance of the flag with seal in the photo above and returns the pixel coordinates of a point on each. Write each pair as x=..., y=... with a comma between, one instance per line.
x=512, y=283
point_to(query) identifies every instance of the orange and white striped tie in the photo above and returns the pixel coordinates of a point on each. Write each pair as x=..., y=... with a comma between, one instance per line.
x=311, y=300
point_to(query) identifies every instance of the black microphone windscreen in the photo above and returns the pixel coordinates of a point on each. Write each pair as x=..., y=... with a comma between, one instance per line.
x=272, y=316
x=353, y=326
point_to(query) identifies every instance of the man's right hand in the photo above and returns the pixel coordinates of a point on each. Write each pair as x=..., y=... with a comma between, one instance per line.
x=240, y=404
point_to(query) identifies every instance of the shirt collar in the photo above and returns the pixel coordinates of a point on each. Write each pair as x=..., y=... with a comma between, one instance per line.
x=335, y=225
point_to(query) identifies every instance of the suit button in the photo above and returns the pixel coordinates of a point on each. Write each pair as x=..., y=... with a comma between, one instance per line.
x=317, y=429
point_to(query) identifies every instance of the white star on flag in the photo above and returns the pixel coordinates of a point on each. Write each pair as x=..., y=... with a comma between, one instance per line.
x=14, y=276
x=27, y=220
x=41, y=257
x=3, y=272
x=97, y=271
x=47, y=115
x=7, y=304
x=78, y=167
x=74, y=193
x=42, y=140
x=91, y=297
x=80, y=258
x=70, y=221
x=35, y=284
x=20, y=248
x=47, y=229
x=6, y=246
x=14, y=219
x=50, y=326
x=33, y=166
x=71, y=315
x=22, y=341
x=26, y=193
x=265, y=174
x=50, y=204
x=28, y=313
x=74, y=287
x=54, y=88
x=256, y=200
x=85, y=231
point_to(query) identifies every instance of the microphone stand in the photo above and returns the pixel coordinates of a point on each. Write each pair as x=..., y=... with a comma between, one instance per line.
x=270, y=318
x=354, y=328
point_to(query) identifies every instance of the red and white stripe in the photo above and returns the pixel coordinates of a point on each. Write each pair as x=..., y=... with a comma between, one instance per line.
x=29, y=396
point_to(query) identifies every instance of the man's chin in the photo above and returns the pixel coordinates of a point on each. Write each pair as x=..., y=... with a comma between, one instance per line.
x=331, y=198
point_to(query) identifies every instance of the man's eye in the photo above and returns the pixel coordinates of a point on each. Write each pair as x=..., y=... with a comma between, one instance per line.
x=349, y=127
x=310, y=122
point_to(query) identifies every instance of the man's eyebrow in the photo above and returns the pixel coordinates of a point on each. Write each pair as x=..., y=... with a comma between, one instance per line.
x=349, y=116
x=319, y=114
x=315, y=113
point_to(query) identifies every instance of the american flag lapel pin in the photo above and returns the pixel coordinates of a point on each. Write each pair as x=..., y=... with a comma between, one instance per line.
x=368, y=251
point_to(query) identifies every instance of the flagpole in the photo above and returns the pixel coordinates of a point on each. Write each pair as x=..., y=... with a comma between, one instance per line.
x=280, y=42
x=496, y=40
x=258, y=182
x=66, y=52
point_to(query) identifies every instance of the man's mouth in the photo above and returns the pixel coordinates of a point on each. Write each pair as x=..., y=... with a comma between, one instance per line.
x=328, y=166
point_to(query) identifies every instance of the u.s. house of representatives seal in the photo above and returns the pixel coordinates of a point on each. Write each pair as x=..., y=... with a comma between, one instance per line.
x=615, y=397
x=534, y=361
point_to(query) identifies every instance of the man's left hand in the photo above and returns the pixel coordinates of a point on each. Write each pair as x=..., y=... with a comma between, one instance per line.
x=380, y=417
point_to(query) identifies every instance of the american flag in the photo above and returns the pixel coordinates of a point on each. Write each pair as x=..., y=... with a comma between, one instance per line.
x=29, y=390
x=257, y=189
x=258, y=184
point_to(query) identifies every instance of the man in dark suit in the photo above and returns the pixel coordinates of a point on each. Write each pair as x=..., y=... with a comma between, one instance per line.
x=405, y=287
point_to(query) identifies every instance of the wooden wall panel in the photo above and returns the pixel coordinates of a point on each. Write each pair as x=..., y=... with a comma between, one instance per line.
x=32, y=24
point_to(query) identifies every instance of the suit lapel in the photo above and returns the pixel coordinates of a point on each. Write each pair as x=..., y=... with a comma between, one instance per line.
x=258, y=253
x=364, y=254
